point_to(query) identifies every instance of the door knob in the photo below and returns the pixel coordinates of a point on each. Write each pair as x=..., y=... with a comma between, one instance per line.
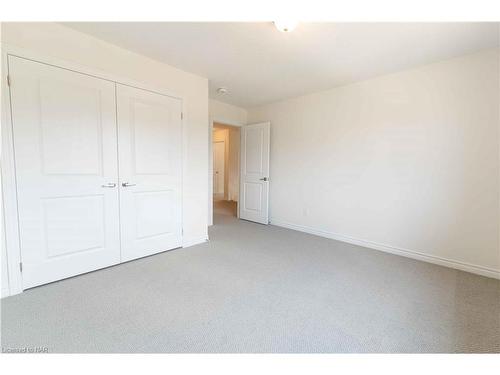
x=264, y=179
x=127, y=184
x=109, y=185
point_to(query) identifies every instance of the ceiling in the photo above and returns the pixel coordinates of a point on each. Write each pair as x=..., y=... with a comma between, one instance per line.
x=259, y=64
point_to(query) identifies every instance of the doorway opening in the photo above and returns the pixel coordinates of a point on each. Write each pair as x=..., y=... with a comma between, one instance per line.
x=226, y=169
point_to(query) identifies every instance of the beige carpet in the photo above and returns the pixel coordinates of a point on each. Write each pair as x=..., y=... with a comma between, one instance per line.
x=256, y=288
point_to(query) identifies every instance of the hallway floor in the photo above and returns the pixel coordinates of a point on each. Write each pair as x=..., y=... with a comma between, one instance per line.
x=222, y=207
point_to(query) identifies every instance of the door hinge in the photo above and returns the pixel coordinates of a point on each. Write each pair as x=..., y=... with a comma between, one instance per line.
x=21, y=266
x=8, y=80
x=182, y=116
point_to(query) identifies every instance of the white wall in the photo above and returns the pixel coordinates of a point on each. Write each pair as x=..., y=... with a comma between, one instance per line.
x=227, y=113
x=234, y=165
x=63, y=43
x=407, y=162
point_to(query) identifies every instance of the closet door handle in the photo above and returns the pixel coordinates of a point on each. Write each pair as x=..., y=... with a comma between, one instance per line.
x=109, y=185
x=127, y=184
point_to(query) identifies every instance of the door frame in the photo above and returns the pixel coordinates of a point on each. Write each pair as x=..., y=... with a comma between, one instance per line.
x=224, y=173
x=221, y=121
x=8, y=169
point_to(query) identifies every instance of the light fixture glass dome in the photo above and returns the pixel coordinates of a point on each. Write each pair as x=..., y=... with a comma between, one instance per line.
x=285, y=26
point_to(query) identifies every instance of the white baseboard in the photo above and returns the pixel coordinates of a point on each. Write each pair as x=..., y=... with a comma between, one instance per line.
x=472, y=268
x=186, y=242
x=5, y=292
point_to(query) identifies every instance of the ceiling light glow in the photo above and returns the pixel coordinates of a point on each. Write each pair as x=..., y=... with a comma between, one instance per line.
x=285, y=26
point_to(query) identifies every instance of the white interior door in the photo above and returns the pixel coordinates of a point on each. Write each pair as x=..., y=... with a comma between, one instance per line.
x=219, y=156
x=254, y=187
x=150, y=159
x=64, y=126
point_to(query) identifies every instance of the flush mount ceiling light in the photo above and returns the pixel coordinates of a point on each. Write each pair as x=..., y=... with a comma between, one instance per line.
x=285, y=26
x=222, y=91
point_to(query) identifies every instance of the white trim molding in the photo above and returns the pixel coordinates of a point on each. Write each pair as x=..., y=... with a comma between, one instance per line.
x=187, y=242
x=10, y=227
x=467, y=267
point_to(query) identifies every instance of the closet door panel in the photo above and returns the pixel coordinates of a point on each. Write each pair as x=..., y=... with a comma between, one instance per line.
x=64, y=126
x=150, y=140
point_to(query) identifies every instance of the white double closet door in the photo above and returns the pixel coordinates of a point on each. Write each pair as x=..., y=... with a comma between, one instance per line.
x=98, y=171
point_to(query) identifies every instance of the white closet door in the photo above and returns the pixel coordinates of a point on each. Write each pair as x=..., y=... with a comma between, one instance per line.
x=64, y=129
x=150, y=146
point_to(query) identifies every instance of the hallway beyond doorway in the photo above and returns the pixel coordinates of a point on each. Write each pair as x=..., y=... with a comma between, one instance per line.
x=222, y=207
x=226, y=168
